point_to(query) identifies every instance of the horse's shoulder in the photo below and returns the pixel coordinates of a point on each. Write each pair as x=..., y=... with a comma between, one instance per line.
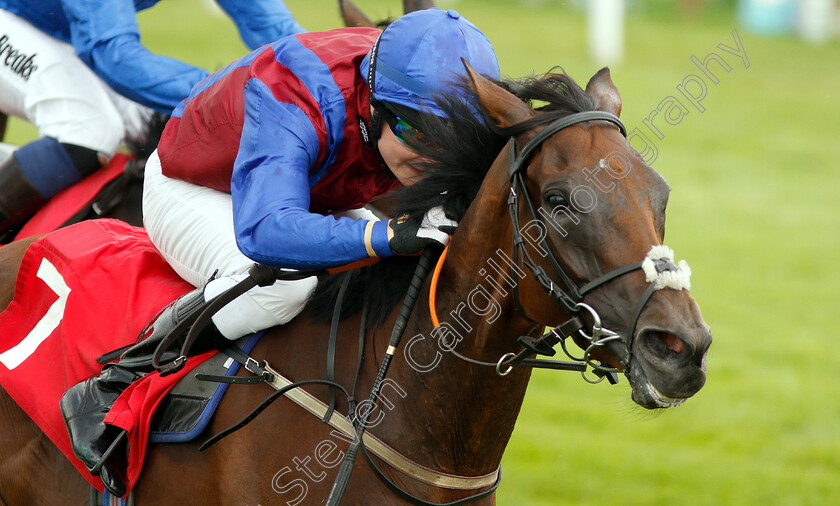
x=11, y=256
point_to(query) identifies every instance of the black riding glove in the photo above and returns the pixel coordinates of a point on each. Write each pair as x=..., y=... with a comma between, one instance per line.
x=411, y=237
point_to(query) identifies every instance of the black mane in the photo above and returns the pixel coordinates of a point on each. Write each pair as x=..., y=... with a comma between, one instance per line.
x=153, y=129
x=558, y=93
x=464, y=149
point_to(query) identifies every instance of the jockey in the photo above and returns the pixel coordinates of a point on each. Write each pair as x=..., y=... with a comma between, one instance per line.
x=77, y=71
x=269, y=160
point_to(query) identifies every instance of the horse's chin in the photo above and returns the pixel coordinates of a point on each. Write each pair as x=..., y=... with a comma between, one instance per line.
x=644, y=393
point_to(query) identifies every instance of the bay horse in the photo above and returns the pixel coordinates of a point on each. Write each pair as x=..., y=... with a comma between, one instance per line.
x=498, y=282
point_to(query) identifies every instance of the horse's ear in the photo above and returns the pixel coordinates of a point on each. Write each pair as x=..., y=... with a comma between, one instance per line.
x=417, y=5
x=604, y=92
x=353, y=16
x=502, y=105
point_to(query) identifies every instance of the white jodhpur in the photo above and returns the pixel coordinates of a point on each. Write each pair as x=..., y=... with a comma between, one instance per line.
x=44, y=82
x=192, y=226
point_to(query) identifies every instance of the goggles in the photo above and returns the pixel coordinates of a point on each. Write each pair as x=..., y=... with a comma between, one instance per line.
x=402, y=129
x=392, y=114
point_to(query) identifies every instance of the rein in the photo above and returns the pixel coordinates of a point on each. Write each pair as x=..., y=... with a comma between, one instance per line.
x=262, y=275
x=542, y=346
x=658, y=265
x=263, y=373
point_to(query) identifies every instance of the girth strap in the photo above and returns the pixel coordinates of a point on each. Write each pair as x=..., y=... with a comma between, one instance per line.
x=310, y=403
x=260, y=370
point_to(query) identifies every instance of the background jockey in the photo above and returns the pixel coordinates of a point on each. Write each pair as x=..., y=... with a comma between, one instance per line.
x=77, y=71
x=254, y=166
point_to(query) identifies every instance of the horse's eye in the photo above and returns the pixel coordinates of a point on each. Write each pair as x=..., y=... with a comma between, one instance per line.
x=557, y=202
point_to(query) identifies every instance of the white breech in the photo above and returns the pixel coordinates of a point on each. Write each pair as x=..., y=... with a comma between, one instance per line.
x=43, y=81
x=192, y=226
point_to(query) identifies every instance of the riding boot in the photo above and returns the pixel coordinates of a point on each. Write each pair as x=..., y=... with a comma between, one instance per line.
x=35, y=172
x=18, y=198
x=103, y=448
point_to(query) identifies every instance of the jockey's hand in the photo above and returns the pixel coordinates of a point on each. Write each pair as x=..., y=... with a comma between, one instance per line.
x=407, y=237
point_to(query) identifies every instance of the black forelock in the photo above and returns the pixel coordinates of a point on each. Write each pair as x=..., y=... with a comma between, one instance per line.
x=554, y=94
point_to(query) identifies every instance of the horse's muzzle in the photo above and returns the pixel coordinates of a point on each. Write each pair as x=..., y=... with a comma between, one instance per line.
x=668, y=367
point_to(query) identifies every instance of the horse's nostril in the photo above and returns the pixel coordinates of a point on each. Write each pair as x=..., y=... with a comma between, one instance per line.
x=664, y=344
x=672, y=342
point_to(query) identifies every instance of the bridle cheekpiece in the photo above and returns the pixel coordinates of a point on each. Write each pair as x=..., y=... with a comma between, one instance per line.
x=660, y=272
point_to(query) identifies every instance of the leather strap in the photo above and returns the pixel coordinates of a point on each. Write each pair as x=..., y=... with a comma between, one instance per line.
x=609, y=277
x=307, y=401
x=416, y=500
x=336, y=319
x=393, y=458
x=556, y=126
x=360, y=356
x=258, y=369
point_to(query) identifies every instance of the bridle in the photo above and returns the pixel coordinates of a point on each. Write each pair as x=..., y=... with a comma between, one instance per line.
x=565, y=291
x=572, y=297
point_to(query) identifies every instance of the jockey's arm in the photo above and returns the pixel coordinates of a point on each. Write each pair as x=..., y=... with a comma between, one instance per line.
x=271, y=187
x=261, y=22
x=106, y=37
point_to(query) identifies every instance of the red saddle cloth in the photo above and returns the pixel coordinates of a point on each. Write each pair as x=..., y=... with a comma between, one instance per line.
x=83, y=291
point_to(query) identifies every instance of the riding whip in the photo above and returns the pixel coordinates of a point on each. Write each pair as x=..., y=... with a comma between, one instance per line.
x=420, y=273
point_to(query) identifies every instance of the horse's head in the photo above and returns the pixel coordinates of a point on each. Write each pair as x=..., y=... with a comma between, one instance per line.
x=590, y=211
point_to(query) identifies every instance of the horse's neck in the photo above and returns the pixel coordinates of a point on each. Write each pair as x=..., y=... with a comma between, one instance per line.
x=459, y=417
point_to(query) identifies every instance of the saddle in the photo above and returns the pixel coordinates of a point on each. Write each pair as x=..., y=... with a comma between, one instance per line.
x=102, y=271
x=186, y=410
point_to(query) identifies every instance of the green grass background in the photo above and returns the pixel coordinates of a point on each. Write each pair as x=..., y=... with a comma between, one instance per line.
x=754, y=208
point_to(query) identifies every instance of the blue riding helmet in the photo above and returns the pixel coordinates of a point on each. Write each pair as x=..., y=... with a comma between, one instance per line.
x=419, y=55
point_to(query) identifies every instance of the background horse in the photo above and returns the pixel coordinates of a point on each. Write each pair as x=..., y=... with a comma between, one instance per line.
x=441, y=413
